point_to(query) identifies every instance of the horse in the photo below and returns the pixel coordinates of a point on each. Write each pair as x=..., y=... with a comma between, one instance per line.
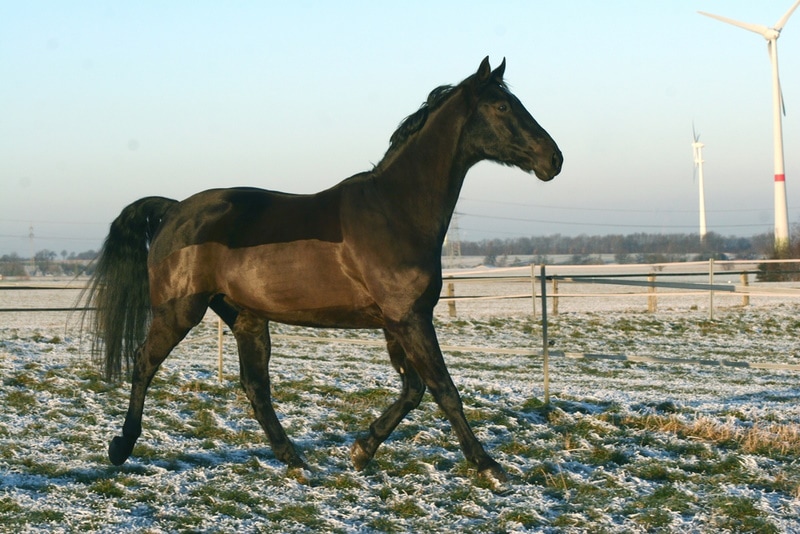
x=365, y=253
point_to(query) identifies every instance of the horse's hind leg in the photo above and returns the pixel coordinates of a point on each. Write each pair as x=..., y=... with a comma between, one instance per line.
x=252, y=337
x=413, y=389
x=170, y=325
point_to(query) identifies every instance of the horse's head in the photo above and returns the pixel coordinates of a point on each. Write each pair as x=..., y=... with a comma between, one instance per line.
x=502, y=130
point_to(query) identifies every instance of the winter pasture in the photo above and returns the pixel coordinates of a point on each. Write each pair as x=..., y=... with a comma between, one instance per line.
x=691, y=446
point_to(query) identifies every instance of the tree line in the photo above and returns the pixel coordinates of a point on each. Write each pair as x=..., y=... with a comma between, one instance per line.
x=628, y=248
x=47, y=263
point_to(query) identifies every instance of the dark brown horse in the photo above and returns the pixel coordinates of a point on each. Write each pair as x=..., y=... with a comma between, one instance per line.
x=365, y=253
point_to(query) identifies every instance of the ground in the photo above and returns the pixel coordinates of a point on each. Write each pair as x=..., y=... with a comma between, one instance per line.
x=622, y=446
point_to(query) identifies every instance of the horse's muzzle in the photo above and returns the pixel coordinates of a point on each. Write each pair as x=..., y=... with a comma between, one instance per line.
x=551, y=170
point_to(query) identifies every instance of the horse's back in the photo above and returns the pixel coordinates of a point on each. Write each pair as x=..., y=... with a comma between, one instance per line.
x=246, y=217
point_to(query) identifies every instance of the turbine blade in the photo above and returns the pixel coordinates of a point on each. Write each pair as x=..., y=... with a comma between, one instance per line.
x=781, y=23
x=757, y=28
x=783, y=105
x=772, y=49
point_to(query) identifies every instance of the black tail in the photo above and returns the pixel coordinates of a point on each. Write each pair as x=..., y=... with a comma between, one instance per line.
x=119, y=289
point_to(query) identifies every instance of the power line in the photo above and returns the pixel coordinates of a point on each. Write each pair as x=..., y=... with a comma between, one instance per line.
x=607, y=210
x=39, y=237
x=605, y=225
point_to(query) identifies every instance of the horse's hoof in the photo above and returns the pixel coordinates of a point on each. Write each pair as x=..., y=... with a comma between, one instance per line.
x=359, y=456
x=120, y=449
x=297, y=463
x=496, y=479
x=301, y=474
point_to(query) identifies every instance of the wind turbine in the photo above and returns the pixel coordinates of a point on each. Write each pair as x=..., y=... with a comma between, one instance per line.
x=771, y=35
x=697, y=148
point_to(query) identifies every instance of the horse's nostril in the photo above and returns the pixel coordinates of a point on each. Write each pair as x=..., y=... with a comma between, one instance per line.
x=558, y=159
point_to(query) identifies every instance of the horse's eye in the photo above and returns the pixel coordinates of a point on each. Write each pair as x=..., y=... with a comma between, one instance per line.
x=502, y=107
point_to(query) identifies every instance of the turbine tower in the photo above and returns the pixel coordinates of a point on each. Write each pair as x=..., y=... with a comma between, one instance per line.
x=452, y=242
x=697, y=148
x=781, y=206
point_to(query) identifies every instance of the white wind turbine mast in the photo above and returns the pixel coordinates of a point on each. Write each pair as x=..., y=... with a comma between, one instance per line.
x=697, y=148
x=771, y=35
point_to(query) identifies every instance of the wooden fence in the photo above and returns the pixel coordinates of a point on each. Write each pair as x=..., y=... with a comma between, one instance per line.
x=653, y=281
x=650, y=282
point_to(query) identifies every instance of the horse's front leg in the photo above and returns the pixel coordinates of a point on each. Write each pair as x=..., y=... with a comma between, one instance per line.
x=418, y=337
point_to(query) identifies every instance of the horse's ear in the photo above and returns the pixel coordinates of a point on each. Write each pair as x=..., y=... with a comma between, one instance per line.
x=497, y=74
x=484, y=71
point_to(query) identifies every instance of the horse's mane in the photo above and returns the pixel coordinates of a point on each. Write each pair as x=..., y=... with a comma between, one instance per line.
x=414, y=122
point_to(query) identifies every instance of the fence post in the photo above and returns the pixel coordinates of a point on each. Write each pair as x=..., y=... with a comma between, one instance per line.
x=533, y=288
x=545, y=343
x=555, y=296
x=745, y=283
x=652, y=300
x=711, y=291
x=219, y=345
x=451, y=304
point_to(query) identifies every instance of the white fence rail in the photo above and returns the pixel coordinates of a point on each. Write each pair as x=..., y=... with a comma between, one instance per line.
x=649, y=282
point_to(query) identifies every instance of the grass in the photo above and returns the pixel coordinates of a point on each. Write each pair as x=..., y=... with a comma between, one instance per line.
x=592, y=460
x=771, y=440
x=739, y=514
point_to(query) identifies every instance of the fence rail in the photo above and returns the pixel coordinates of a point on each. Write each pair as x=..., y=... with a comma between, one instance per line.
x=623, y=276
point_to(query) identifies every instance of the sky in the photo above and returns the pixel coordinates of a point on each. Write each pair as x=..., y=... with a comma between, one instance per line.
x=107, y=102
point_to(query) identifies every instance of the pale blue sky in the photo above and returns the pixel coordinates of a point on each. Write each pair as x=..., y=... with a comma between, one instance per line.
x=106, y=102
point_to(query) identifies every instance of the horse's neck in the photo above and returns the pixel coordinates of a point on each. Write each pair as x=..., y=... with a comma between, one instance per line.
x=424, y=180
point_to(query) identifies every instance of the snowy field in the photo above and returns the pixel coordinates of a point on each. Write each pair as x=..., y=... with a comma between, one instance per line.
x=623, y=446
